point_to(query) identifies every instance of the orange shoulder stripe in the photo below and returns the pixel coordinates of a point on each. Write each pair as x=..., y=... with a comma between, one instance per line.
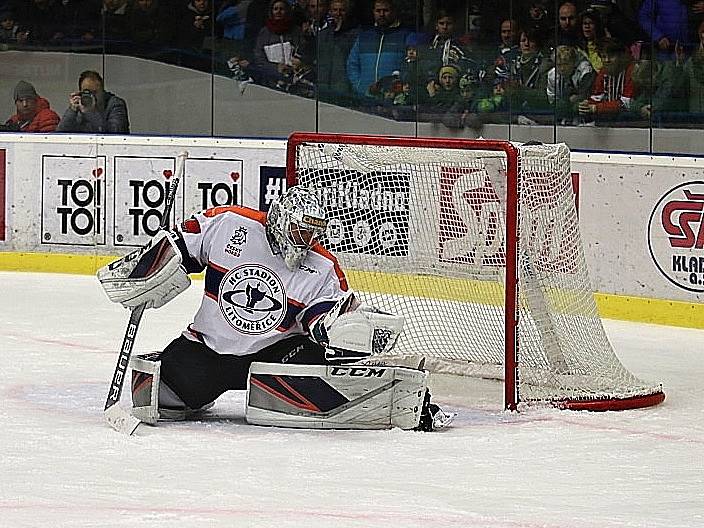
x=320, y=250
x=252, y=214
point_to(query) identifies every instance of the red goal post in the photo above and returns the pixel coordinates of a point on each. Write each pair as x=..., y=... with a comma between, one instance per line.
x=476, y=243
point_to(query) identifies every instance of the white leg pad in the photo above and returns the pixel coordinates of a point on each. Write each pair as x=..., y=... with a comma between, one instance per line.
x=146, y=379
x=152, y=399
x=335, y=397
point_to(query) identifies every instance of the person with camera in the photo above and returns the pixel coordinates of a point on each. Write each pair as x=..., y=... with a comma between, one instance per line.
x=94, y=110
x=33, y=112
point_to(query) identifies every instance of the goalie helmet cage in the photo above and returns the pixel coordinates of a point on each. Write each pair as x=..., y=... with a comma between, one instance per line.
x=476, y=243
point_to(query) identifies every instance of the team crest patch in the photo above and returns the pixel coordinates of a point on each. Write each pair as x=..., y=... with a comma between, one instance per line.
x=238, y=238
x=252, y=299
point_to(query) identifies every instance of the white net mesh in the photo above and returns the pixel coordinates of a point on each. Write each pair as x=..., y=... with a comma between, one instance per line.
x=421, y=232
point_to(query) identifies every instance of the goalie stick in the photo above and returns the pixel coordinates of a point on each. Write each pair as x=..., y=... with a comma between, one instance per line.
x=116, y=416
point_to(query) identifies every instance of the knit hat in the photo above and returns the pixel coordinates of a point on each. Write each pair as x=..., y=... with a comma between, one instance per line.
x=24, y=90
x=448, y=69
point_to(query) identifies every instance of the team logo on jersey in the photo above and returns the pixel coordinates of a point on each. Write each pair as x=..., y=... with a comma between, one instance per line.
x=238, y=238
x=252, y=299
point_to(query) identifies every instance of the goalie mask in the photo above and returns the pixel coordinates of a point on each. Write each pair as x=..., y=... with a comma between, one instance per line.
x=296, y=221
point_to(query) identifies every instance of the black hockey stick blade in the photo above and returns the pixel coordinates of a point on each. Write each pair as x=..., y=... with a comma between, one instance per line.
x=116, y=416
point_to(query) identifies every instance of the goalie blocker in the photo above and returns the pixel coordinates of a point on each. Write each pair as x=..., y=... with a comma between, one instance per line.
x=341, y=397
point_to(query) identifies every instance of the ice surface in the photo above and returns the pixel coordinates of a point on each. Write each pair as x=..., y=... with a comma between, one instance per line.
x=61, y=465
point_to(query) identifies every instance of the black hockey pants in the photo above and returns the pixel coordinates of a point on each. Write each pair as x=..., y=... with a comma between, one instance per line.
x=198, y=374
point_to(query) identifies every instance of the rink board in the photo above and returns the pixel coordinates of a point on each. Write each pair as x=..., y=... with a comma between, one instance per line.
x=70, y=202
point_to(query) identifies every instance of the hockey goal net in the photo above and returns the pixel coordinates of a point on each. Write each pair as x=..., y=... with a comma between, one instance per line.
x=476, y=243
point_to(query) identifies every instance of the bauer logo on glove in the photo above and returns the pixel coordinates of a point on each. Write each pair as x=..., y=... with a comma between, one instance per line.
x=151, y=275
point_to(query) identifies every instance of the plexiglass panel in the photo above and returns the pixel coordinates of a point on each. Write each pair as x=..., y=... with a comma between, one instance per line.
x=599, y=74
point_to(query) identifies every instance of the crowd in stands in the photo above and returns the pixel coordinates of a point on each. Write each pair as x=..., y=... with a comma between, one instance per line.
x=458, y=62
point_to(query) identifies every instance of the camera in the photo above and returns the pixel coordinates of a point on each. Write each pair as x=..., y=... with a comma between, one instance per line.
x=87, y=98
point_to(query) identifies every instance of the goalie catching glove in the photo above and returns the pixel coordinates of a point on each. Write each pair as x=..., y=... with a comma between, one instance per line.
x=352, y=331
x=151, y=275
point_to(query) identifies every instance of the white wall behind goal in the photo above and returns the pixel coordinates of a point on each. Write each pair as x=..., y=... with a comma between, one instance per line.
x=642, y=217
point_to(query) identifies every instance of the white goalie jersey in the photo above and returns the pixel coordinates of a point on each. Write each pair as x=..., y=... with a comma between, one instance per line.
x=251, y=299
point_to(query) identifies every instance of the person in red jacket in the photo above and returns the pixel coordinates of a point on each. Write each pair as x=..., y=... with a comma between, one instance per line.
x=33, y=112
x=613, y=90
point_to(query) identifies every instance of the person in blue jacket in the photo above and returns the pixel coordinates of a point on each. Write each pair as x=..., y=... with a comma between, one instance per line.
x=378, y=51
x=666, y=21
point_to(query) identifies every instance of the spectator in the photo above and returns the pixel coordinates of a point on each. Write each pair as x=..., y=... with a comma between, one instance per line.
x=508, y=47
x=82, y=21
x=33, y=112
x=529, y=75
x=613, y=90
x=232, y=21
x=444, y=48
x=196, y=25
x=301, y=80
x=496, y=102
x=256, y=14
x=538, y=17
x=443, y=97
x=145, y=24
x=335, y=41
x=508, y=51
x=470, y=94
x=661, y=88
x=569, y=83
x=385, y=90
x=275, y=44
x=378, y=51
x=43, y=21
x=94, y=110
x=116, y=24
x=617, y=25
x=696, y=15
x=694, y=67
x=404, y=97
x=592, y=37
x=409, y=66
x=665, y=21
x=567, y=30
x=316, y=17
x=8, y=27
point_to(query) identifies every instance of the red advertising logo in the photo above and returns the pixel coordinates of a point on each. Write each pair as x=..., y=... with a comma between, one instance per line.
x=676, y=236
x=472, y=220
x=471, y=225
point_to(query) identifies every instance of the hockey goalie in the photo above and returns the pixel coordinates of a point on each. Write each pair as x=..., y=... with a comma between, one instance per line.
x=277, y=318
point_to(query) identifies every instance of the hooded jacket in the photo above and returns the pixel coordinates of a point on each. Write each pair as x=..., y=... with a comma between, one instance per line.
x=376, y=53
x=45, y=120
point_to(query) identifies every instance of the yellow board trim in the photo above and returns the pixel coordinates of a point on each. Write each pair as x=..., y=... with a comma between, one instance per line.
x=53, y=262
x=610, y=306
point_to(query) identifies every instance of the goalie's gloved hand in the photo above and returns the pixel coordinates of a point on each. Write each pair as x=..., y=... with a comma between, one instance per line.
x=355, y=330
x=151, y=275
